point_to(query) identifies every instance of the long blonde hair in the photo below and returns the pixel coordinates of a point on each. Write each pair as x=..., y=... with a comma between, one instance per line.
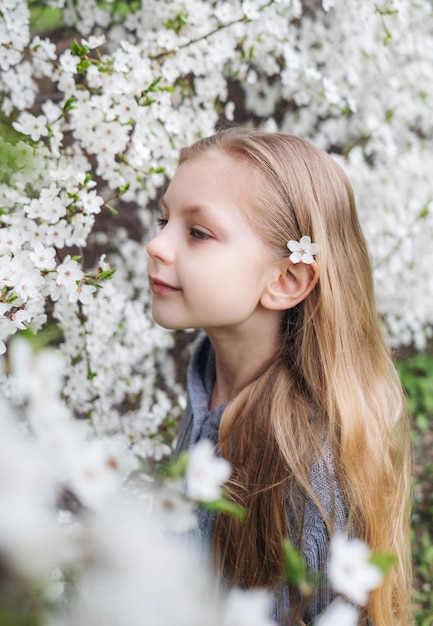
x=332, y=385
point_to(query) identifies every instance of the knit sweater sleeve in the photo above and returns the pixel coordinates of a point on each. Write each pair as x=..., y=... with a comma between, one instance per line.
x=315, y=541
x=315, y=547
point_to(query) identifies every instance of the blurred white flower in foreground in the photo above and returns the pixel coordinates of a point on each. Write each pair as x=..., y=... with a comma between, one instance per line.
x=107, y=550
x=175, y=513
x=247, y=608
x=350, y=571
x=30, y=539
x=100, y=469
x=338, y=614
x=37, y=378
x=136, y=576
x=205, y=473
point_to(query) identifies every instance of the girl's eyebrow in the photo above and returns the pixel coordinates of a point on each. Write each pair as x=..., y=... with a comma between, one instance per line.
x=196, y=208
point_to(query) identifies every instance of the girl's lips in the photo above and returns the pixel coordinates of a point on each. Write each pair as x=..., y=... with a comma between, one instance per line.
x=159, y=287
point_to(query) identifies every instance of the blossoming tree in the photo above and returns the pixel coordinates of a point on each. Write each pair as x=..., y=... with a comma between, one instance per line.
x=94, y=124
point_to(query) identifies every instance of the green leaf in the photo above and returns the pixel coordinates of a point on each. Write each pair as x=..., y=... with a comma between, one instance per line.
x=153, y=84
x=93, y=282
x=177, y=23
x=387, y=38
x=83, y=66
x=106, y=274
x=147, y=101
x=178, y=468
x=124, y=188
x=384, y=562
x=167, y=88
x=222, y=505
x=77, y=50
x=248, y=55
x=69, y=105
x=294, y=568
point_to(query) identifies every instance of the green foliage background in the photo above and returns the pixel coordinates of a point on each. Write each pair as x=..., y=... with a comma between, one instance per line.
x=416, y=373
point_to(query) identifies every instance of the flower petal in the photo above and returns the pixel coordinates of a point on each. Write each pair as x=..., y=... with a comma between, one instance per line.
x=295, y=257
x=305, y=241
x=293, y=246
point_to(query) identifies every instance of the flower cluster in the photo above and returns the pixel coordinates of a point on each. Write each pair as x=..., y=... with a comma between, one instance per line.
x=81, y=522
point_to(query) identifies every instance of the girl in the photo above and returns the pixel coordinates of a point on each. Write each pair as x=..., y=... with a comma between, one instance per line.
x=292, y=380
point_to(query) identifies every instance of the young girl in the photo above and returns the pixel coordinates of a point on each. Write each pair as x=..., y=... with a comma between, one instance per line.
x=292, y=380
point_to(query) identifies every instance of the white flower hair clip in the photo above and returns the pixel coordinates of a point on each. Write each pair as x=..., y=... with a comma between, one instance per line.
x=302, y=250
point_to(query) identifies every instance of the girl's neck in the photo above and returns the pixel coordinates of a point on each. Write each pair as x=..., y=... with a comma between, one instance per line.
x=238, y=360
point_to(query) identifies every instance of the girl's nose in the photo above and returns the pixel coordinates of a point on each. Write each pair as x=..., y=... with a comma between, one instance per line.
x=159, y=248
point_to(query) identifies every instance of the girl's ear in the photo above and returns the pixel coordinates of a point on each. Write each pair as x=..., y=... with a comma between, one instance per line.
x=292, y=285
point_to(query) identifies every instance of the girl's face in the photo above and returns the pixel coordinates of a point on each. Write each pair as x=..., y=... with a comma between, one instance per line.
x=208, y=267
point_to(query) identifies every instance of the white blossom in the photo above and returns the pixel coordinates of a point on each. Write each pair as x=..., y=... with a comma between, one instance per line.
x=302, y=250
x=94, y=41
x=175, y=512
x=29, y=124
x=338, y=614
x=7, y=328
x=69, y=273
x=90, y=201
x=247, y=608
x=10, y=240
x=27, y=284
x=20, y=317
x=98, y=471
x=42, y=257
x=206, y=473
x=350, y=570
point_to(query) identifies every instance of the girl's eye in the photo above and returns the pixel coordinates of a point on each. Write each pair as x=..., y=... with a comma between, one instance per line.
x=199, y=235
x=161, y=222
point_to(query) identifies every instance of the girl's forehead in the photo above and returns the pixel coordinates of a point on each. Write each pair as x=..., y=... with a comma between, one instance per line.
x=215, y=171
x=211, y=171
x=219, y=160
x=214, y=181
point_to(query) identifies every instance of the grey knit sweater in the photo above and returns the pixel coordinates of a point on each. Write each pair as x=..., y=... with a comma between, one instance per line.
x=200, y=423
